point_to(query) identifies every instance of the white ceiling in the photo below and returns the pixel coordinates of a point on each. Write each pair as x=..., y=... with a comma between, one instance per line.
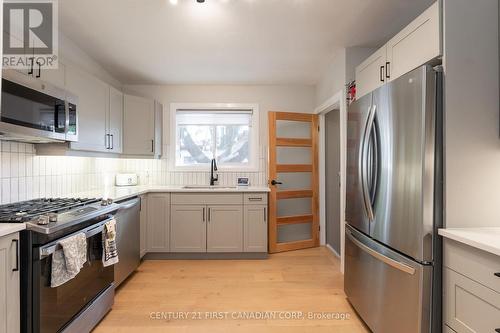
x=228, y=41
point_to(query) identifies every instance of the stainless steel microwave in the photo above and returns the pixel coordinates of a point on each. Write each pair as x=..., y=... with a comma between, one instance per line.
x=35, y=111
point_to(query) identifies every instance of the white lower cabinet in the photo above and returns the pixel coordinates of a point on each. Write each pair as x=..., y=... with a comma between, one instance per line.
x=9, y=284
x=143, y=224
x=471, y=301
x=188, y=232
x=225, y=228
x=207, y=223
x=158, y=235
x=255, y=228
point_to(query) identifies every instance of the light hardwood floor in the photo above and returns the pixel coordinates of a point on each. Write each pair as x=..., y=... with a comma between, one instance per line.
x=298, y=281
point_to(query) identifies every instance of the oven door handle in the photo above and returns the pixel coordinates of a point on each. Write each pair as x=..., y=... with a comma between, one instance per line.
x=93, y=230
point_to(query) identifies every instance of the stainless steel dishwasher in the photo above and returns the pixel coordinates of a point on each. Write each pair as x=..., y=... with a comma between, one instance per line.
x=127, y=238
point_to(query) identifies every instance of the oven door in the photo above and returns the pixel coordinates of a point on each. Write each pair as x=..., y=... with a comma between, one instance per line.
x=57, y=307
x=32, y=108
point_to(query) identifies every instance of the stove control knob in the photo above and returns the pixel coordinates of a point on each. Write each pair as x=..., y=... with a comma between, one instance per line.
x=52, y=217
x=104, y=202
x=43, y=220
x=110, y=201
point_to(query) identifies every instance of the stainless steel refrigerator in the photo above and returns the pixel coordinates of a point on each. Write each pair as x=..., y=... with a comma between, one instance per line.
x=394, y=204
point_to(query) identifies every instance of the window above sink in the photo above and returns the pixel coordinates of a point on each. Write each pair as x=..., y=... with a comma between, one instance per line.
x=227, y=132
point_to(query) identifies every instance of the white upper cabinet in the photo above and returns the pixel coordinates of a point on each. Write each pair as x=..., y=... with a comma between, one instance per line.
x=93, y=99
x=417, y=44
x=370, y=74
x=55, y=76
x=140, y=137
x=114, y=121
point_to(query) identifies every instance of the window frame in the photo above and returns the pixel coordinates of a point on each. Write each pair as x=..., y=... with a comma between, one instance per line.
x=253, y=164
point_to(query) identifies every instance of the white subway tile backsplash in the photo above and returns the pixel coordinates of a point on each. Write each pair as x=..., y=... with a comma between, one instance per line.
x=25, y=175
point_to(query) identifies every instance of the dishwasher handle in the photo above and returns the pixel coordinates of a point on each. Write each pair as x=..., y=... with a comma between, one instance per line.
x=129, y=203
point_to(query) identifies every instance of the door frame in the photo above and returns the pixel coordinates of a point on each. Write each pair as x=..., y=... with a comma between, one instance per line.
x=336, y=102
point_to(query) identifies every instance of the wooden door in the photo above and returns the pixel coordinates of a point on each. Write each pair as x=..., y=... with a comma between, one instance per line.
x=188, y=228
x=293, y=179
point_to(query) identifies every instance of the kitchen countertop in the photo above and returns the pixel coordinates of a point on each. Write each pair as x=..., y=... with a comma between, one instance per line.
x=118, y=193
x=486, y=239
x=10, y=228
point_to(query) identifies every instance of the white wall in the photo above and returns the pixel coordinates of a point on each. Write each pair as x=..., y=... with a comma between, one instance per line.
x=340, y=71
x=72, y=54
x=472, y=113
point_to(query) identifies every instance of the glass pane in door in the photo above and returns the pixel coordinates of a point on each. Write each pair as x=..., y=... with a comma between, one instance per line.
x=293, y=155
x=293, y=129
x=293, y=207
x=294, y=232
x=294, y=181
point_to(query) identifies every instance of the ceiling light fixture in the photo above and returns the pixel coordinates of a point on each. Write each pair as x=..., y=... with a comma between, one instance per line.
x=200, y=1
x=173, y=2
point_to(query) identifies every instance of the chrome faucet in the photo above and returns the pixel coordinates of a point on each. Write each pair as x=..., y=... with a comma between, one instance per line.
x=213, y=168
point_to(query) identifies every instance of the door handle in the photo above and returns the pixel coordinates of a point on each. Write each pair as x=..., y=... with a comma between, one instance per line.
x=274, y=182
x=363, y=163
x=382, y=74
x=389, y=261
x=265, y=215
x=387, y=70
x=16, y=269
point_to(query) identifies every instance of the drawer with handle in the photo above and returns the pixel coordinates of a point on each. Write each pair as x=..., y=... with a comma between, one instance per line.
x=478, y=265
x=470, y=306
x=255, y=199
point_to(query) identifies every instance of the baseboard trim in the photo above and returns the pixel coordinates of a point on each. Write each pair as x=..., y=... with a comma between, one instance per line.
x=332, y=250
x=205, y=256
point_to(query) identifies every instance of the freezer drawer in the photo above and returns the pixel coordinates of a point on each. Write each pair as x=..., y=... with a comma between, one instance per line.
x=391, y=293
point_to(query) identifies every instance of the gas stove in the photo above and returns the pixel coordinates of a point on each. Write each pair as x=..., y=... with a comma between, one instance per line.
x=48, y=215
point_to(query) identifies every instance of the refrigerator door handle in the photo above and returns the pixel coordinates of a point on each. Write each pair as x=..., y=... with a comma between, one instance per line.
x=364, y=163
x=389, y=261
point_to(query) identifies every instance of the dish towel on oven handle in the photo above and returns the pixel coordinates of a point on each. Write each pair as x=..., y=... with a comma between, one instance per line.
x=109, y=251
x=69, y=259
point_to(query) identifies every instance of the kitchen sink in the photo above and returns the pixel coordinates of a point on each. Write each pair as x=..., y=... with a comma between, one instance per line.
x=209, y=187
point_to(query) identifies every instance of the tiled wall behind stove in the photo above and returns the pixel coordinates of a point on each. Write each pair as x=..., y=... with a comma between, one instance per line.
x=25, y=175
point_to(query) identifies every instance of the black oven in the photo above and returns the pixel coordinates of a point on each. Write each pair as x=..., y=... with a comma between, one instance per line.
x=33, y=109
x=65, y=308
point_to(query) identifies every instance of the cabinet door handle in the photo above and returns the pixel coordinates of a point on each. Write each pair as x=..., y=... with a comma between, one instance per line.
x=255, y=199
x=209, y=214
x=112, y=142
x=16, y=269
x=203, y=215
x=382, y=73
x=387, y=70
x=497, y=274
x=152, y=146
x=265, y=215
x=39, y=69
